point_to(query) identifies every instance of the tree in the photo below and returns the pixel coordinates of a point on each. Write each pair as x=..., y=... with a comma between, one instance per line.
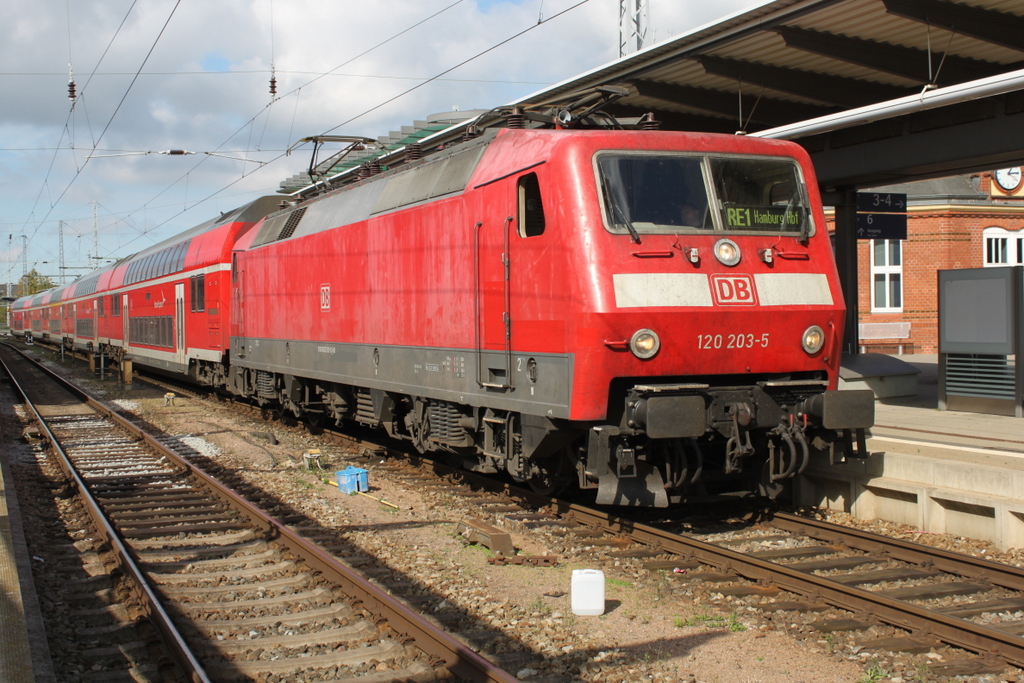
x=32, y=282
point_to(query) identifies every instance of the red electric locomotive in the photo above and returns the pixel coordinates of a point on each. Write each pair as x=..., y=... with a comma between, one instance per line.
x=654, y=315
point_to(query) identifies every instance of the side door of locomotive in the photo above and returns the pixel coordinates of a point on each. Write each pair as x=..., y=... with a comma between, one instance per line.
x=494, y=220
x=237, y=315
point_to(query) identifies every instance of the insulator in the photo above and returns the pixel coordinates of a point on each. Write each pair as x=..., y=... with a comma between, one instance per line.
x=470, y=133
x=516, y=119
x=283, y=205
x=273, y=86
x=374, y=167
x=648, y=122
x=414, y=151
x=71, y=91
x=364, y=171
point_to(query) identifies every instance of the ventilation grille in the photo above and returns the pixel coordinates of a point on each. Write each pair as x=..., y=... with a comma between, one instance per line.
x=278, y=227
x=289, y=225
x=980, y=376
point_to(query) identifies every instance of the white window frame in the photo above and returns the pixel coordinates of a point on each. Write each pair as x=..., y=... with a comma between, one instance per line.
x=1009, y=242
x=886, y=270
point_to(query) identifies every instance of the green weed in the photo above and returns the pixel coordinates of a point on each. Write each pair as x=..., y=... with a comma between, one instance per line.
x=874, y=672
x=712, y=621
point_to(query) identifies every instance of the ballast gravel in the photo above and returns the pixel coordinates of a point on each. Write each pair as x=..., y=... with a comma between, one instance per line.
x=654, y=629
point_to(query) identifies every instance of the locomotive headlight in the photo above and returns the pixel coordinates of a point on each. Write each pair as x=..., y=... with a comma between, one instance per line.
x=727, y=252
x=813, y=339
x=644, y=344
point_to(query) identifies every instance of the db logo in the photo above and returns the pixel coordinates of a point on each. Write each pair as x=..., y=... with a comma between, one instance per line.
x=325, y=297
x=733, y=290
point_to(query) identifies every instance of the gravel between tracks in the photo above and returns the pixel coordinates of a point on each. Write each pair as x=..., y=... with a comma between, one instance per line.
x=653, y=631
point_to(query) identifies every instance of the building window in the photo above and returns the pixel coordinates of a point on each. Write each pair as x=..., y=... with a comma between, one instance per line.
x=886, y=276
x=1002, y=247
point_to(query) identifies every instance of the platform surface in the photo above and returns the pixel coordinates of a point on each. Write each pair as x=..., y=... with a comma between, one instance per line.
x=24, y=654
x=987, y=439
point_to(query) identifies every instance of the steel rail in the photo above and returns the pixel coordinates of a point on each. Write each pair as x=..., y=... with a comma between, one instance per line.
x=434, y=641
x=178, y=648
x=953, y=630
x=1004, y=575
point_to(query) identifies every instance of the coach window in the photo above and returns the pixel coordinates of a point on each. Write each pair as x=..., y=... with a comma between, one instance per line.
x=99, y=307
x=886, y=276
x=531, y=208
x=197, y=293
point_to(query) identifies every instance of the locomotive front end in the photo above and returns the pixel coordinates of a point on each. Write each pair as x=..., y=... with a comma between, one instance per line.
x=721, y=325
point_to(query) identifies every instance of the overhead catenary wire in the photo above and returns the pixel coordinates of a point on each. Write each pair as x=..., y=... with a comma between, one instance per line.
x=296, y=92
x=369, y=110
x=462, y=63
x=45, y=185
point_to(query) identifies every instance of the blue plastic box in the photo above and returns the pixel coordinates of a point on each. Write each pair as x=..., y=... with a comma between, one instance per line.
x=352, y=480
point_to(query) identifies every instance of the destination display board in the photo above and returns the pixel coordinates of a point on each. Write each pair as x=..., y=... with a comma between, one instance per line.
x=764, y=217
x=881, y=216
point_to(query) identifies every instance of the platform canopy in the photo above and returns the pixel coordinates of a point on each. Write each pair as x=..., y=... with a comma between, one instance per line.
x=878, y=91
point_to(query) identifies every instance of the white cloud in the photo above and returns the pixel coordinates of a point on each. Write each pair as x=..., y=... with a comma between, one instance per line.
x=177, y=103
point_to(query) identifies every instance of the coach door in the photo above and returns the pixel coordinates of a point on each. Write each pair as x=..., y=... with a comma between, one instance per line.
x=124, y=321
x=179, y=323
x=495, y=220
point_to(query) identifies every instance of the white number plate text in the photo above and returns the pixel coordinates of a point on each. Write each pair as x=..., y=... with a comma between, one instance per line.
x=732, y=341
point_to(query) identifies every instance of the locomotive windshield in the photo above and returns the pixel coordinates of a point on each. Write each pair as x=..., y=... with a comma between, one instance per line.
x=670, y=193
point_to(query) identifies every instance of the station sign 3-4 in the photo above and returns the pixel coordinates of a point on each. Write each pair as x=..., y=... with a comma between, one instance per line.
x=881, y=216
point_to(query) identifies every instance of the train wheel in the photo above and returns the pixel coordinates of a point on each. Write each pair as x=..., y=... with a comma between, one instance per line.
x=555, y=474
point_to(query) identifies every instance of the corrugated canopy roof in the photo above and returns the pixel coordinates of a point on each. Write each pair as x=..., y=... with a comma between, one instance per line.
x=792, y=60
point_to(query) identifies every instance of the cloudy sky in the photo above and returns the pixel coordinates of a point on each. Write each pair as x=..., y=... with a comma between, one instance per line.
x=157, y=75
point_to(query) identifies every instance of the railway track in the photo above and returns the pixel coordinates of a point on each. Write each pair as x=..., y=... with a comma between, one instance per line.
x=791, y=563
x=787, y=564
x=234, y=593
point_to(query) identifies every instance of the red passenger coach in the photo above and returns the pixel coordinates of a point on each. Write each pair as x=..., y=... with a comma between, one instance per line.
x=653, y=314
x=165, y=307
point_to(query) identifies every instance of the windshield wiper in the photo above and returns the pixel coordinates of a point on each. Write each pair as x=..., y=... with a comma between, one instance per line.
x=616, y=209
x=790, y=206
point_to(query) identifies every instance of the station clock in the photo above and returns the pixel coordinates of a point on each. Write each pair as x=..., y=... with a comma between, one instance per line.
x=1008, y=179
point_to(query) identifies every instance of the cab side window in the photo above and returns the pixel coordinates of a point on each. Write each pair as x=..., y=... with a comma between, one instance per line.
x=531, y=208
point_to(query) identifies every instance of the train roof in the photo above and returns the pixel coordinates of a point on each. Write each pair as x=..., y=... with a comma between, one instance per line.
x=104, y=276
x=247, y=213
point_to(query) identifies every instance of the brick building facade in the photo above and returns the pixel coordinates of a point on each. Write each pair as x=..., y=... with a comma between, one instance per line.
x=958, y=222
